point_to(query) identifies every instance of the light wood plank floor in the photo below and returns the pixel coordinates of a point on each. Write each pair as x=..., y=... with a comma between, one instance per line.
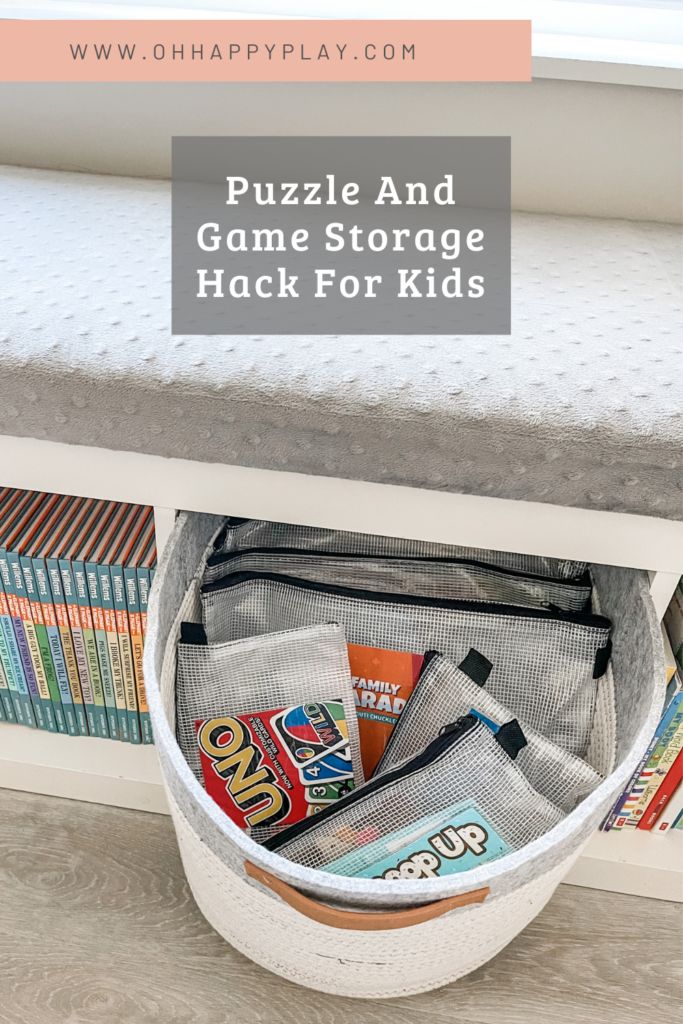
x=97, y=925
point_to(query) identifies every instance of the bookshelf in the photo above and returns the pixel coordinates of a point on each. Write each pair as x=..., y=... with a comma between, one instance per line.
x=127, y=776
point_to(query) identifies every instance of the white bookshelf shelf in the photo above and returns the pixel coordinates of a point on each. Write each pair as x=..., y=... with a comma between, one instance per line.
x=629, y=861
x=123, y=775
x=81, y=768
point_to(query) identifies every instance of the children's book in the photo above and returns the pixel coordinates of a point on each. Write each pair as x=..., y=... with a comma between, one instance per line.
x=12, y=515
x=92, y=615
x=113, y=560
x=60, y=526
x=660, y=761
x=61, y=577
x=35, y=572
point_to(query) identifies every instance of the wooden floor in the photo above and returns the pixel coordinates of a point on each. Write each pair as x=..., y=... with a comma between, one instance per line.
x=98, y=925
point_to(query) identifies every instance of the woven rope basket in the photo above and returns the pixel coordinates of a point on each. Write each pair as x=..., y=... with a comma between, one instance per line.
x=417, y=935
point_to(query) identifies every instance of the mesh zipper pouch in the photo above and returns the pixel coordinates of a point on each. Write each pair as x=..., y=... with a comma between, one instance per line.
x=259, y=674
x=241, y=534
x=461, y=801
x=446, y=691
x=462, y=579
x=545, y=662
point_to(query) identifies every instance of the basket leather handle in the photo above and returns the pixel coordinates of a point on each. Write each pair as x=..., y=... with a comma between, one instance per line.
x=359, y=920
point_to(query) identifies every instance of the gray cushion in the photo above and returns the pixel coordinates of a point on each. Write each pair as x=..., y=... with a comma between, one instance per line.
x=581, y=405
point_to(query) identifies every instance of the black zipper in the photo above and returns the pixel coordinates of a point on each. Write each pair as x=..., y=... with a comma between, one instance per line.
x=434, y=750
x=577, y=582
x=448, y=604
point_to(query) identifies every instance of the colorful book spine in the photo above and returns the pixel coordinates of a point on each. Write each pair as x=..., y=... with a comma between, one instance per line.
x=136, y=641
x=144, y=583
x=37, y=646
x=64, y=713
x=18, y=625
x=52, y=581
x=109, y=615
x=666, y=790
x=125, y=648
x=6, y=705
x=102, y=649
x=12, y=664
x=74, y=619
x=673, y=810
x=89, y=642
x=660, y=761
x=618, y=815
x=75, y=719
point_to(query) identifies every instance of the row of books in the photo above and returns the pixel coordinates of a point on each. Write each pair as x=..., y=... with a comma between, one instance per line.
x=653, y=798
x=75, y=579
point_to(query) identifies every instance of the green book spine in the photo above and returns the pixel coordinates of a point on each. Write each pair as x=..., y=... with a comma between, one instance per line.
x=97, y=612
x=11, y=663
x=106, y=596
x=27, y=642
x=125, y=648
x=135, y=622
x=6, y=705
x=63, y=568
x=64, y=723
x=36, y=583
x=53, y=581
x=88, y=630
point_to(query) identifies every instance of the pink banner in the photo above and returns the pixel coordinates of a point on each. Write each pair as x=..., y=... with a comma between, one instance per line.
x=265, y=51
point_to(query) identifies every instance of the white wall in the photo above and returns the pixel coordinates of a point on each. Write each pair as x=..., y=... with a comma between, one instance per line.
x=578, y=148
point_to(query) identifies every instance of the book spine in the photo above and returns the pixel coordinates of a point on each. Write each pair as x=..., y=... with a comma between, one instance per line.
x=53, y=582
x=66, y=722
x=670, y=813
x=669, y=772
x=88, y=630
x=125, y=648
x=6, y=705
x=42, y=586
x=104, y=580
x=54, y=720
x=39, y=580
x=11, y=663
x=130, y=576
x=144, y=583
x=661, y=760
x=102, y=649
x=63, y=567
x=619, y=814
x=15, y=612
x=666, y=789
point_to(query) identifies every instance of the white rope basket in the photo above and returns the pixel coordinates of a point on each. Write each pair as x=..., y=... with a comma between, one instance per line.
x=423, y=933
